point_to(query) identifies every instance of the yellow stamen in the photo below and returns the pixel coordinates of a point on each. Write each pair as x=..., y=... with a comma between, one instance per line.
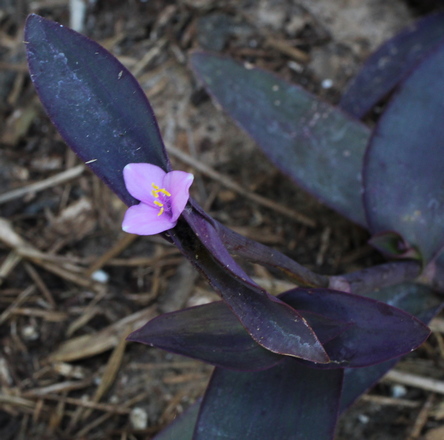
x=155, y=192
x=164, y=191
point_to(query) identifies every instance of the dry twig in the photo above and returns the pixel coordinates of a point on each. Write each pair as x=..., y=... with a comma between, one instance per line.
x=58, y=179
x=92, y=344
x=413, y=380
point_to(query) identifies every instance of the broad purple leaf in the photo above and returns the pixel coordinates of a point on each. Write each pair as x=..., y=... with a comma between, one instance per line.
x=403, y=172
x=356, y=331
x=416, y=299
x=412, y=298
x=210, y=333
x=96, y=104
x=385, y=68
x=182, y=428
x=288, y=401
x=377, y=331
x=317, y=145
x=270, y=322
x=213, y=334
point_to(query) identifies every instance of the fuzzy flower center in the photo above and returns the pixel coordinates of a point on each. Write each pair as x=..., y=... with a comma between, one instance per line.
x=161, y=195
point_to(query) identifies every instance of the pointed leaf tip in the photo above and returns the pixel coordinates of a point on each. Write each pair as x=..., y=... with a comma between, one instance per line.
x=94, y=101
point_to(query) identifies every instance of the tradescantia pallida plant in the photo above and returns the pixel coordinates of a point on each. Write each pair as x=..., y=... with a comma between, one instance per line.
x=285, y=366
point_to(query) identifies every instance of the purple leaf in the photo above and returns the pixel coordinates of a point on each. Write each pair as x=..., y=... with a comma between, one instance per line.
x=317, y=145
x=436, y=270
x=390, y=63
x=210, y=333
x=403, y=173
x=182, y=427
x=377, y=331
x=416, y=299
x=365, y=281
x=96, y=104
x=258, y=253
x=288, y=401
x=356, y=331
x=413, y=298
x=269, y=321
x=213, y=334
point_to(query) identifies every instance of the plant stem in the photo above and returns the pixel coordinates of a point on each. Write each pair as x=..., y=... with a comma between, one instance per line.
x=365, y=281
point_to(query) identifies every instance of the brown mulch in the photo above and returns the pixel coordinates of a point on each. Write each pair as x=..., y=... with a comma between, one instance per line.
x=72, y=285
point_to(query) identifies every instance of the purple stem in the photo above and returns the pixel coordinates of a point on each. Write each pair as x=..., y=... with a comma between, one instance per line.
x=366, y=280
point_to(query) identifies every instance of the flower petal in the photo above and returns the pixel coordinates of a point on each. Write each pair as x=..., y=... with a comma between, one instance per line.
x=178, y=184
x=139, y=178
x=142, y=219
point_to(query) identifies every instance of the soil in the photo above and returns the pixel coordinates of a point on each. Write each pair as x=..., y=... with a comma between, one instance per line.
x=72, y=285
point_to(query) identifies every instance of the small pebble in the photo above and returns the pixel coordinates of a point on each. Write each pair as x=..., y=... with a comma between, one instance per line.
x=363, y=418
x=100, y=276
x=327, y=83
x=398, y=391
x=138, y=418
x=30, y=333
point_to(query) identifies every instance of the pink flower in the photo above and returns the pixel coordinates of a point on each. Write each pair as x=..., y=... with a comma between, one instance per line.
x=162, y=196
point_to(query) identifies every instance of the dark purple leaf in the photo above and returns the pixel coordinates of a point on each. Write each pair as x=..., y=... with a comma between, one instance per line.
x=288, y=401
x=317, y=145
x=261, y=254
x=377, y=331
x=270, y=322
x=213, y=334
x=390, y=63
x=435, y=270
x=96, y=104
x=416, y=299
x=326, y=329
x=210, y=333
x=356, y=331
x=403, y=173
x=365, y=281
x=183, y=426
x=358, y=380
